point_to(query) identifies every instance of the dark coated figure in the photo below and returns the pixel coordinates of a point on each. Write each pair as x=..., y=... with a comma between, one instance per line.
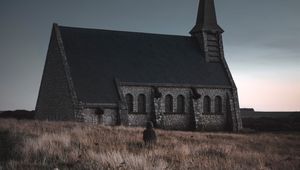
x=149, y=135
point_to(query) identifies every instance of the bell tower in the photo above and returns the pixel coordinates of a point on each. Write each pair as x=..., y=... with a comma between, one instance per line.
x=208, y=32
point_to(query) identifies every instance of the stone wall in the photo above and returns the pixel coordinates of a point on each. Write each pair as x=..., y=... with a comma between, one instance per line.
x=178, y=121
x=194, y=116
x=210, y=121
x=174, y=92
x=147, y=91
x=54, y=100
x=135, y=91
x=91, y=115
x=109, y=117
x=136, y=119
x=212, y=94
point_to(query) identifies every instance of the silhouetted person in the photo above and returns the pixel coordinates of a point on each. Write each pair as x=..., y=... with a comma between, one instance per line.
x=149, y=135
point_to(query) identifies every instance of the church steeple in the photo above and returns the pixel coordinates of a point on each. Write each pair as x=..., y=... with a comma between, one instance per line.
x=206, y=19
x=208, y=32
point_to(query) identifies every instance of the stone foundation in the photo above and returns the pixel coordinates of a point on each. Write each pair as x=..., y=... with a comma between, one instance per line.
x=108, y=117
x=212, y=122
x=138, y=119
x=178, y=121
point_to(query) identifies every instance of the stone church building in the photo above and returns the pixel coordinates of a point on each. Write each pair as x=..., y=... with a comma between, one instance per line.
x=129, y=78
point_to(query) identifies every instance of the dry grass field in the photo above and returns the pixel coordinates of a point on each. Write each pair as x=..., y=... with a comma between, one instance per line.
x=67, y=145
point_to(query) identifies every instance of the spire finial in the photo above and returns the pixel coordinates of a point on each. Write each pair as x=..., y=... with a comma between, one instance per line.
x=206, y=19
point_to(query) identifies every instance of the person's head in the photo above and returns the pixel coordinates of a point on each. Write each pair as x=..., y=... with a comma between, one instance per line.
x=149, y=125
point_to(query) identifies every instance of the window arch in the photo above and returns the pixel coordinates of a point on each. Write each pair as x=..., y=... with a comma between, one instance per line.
x=168, y=104
x=218, y=105
x=180, y=104
x=129, y=101
x=206, y=105
x=142, y=103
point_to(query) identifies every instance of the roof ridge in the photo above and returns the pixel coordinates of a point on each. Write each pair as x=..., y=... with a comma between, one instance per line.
x=120, y=31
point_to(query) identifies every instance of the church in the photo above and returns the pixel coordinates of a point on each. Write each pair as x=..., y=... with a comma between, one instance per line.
x=128, y=78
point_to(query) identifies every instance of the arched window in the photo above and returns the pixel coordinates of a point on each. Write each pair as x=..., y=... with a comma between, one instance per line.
x=142, y=103
x=218, y=105
x=168, y=104
x=206, y=105
x=129, y=101
x=180, y=104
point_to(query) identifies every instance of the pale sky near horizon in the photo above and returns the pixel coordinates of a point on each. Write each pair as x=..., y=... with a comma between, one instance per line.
x=261, y=42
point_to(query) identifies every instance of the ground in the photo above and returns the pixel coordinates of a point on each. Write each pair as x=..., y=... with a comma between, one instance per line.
x=26, y=144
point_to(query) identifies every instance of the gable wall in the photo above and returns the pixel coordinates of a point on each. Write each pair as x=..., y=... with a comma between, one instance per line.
x=54, y=100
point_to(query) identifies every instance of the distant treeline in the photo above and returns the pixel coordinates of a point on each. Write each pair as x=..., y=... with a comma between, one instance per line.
x=17, y=114
x=270, y=121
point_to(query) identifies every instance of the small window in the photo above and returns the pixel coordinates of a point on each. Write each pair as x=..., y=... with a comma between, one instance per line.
x=180, y=104
x=168, y=104
x=218, y=105
x=206, y=105
x=142, y=103
x=129, y=101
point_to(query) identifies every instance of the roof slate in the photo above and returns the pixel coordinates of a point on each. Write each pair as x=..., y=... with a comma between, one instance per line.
x=96, y=57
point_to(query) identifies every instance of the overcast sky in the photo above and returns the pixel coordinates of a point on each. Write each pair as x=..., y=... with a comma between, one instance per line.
x=261, y=41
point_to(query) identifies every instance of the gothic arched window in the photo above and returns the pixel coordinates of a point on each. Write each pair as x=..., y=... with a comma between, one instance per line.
x=218, y=105
x=180, y=104
x=168, y=104
x=206, y=105
x=129, y=101
x=142, y=103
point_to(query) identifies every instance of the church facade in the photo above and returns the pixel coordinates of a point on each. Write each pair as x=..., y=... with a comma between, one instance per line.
x=129, y=78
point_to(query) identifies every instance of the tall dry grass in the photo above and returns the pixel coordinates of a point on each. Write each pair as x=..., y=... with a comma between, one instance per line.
x=68, y=145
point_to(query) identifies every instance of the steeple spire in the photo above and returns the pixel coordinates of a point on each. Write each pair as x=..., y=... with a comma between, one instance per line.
x=206, y=19
x=208, y=32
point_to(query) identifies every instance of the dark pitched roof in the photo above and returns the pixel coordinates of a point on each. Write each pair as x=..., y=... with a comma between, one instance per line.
x=96, y=57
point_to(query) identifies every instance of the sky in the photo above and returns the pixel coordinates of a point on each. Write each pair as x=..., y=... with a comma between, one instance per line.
x=261, y=42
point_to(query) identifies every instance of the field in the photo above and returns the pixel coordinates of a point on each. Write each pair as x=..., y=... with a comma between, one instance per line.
x=28, y=144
